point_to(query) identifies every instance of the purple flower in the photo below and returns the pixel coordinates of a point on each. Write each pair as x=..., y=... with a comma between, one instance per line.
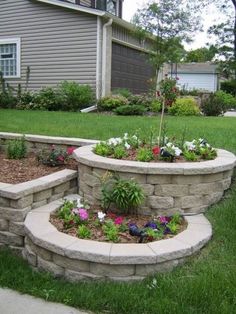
x=150, y=224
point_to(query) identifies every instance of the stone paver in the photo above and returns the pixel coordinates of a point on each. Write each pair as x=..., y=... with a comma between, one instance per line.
x=12, y=302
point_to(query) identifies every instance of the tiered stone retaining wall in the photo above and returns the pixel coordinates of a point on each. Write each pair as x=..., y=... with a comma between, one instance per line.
x=168, y=187
x=77, y=259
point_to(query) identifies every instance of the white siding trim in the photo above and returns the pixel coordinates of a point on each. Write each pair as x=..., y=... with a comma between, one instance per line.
x=99, y=55
x=16, y=41
x=124, y=43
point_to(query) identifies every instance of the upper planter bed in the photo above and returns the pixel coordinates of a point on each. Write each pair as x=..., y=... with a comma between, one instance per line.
x=168, y=187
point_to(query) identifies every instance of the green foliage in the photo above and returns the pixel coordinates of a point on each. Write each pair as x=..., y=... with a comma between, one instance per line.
x=127, y=195
x=155, y=106
x=192, y=92
x=27, y=101
x=169, y=90
x=7, y=98
x=203, y=54
x=119, y=152
x=66, y=209
x=170, y=22
x=213, y=106
x=111, y=231
x=83, y=232
x=111, y=102
x=184, y=107
x=16, y=149
x=73, y=97
x=229, y=87
x=47, y=99
x=227, y=99
x=154, y=234
x=190, y=155
x=102, y=149
x=130, y=110
x=53, y=157
x=207, y=153
x=144, y=154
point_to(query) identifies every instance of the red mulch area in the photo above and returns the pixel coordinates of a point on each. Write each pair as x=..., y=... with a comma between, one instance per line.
x=17, y=171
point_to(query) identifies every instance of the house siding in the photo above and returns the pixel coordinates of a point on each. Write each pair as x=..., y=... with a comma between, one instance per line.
x=207, y=82
x=56, y=43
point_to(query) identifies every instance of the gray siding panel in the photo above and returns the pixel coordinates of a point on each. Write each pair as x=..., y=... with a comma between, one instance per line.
x=57, y=43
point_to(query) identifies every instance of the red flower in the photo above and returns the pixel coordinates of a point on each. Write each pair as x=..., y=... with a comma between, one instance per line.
x=158, y=94
x=70, y=150
x=156, y=150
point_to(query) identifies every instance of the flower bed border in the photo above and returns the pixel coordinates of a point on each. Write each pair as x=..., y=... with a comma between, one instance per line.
x=76, y=259
x=188, y=187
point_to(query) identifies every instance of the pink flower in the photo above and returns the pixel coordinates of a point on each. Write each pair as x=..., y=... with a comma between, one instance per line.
x=119, y=220
x=70, y=150
x=164, y=219
x=83, y=214
x=60, y=158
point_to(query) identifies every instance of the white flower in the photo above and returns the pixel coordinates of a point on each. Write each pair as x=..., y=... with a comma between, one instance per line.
x=79, y=204
x=127, y=146
x=169, y=144
x=177, y=150
x=190, y=145
x=101, y=216
x=134, y=137
x=114, y=141
x=75, y=211
x=125, y=136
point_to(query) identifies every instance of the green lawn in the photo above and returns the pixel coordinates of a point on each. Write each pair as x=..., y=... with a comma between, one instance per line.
x=205, y=284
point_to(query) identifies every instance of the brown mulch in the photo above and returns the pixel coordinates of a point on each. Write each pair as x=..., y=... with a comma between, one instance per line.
x=17, y=171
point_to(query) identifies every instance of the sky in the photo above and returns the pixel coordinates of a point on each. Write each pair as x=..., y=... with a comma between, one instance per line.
x=200, y=39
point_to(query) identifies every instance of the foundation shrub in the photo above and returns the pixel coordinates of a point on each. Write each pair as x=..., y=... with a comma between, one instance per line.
x=130, y=110
x=111, y=102
x=227, y=99
x=73, y=96
x=186, y=106
x=213, y=106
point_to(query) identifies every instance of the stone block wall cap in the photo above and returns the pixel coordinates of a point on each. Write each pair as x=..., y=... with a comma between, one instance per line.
x=49, y=139
x=224, y=161
x=19, y=190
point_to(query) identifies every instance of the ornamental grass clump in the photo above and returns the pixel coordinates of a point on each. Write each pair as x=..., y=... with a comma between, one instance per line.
x=16, y=149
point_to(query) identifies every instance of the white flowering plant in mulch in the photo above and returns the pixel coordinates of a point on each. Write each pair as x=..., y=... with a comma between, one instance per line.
x=131, y=147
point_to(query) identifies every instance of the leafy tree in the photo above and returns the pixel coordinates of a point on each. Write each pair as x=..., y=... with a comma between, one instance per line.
x=170, y=23
x=203, y=54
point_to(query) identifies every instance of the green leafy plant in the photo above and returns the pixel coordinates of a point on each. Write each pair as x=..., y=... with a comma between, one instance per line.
x=130, y=110
x=154, y=234
x=213, y=106
x=127, y=195
x=190, y=155
x=73, y=96
x=184, y=107
x=83, y=232
x=65, y=209
x=229, y=87
x=228, y=100
x=55, y=157
x=155, y=106
x=102, y=149
x=111, y=102
x=119, y=152
x=16, y=149
x=125, y=92
x=111, y=231
x=144, y=154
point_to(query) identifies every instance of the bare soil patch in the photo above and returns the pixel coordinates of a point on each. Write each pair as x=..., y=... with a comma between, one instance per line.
x=17, y=171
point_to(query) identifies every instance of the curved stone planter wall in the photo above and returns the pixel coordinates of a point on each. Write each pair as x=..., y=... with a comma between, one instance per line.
x=76, y=259
x=168, y=187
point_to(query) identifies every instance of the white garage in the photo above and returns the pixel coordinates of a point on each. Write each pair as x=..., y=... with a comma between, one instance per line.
x=201, y=76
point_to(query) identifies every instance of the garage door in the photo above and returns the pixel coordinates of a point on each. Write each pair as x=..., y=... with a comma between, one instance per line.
x=130, y=69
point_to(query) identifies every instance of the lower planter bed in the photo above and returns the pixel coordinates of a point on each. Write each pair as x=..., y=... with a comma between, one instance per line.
x=75, y=259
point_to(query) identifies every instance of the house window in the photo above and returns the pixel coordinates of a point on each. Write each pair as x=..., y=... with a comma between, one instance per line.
x=10, y=57
x=112, y=6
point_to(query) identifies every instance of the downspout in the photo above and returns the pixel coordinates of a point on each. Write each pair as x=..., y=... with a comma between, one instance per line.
x=104, y=56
